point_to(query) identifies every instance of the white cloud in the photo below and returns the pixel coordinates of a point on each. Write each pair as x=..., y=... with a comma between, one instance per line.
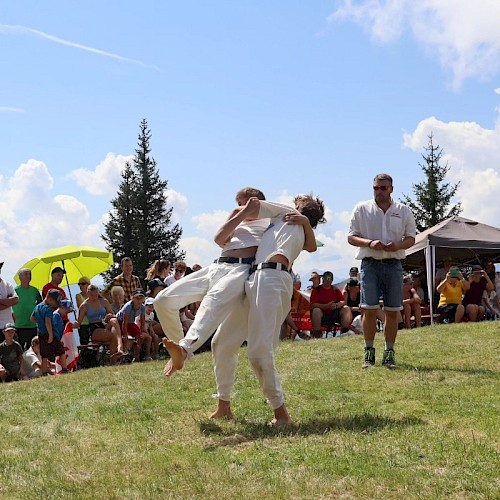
x=105, y=178
x=178, y=202
x=464, y=35
x=199, y=250
x=497, y=91
x=34, y=218
x=473, y=153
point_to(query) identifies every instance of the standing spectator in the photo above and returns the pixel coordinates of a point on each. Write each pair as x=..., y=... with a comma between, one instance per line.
x=443, y=271
x=42, y=315
x=128, y=281
x=29, y=297
x=57, y=276
x=382, y=229
x=354, y=273
x=479, y=281
x=32, y=361
x=179, y=271
x=11, y=356
x=328, y=307
x=8, y=298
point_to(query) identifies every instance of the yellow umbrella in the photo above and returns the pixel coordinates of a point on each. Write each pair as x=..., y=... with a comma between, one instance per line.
x=77, y=261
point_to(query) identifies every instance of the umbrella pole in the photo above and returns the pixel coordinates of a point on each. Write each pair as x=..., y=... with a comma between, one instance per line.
x=69, y=289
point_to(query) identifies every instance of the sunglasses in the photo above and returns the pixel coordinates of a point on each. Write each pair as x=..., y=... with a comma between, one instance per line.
x=381, y=188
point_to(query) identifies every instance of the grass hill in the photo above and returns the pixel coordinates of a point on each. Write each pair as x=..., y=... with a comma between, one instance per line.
x=429, y=429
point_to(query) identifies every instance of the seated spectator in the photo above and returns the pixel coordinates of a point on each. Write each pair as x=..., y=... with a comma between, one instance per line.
x=411, y=303
x=32, y=361
x=84, y=330
x=149, y=319
x=442, y=272
x=328, y=307
x=479, y=281
x=352, y=296
x=11, y=356
x=159, y=269
x=491, y=304
x=104, y=326
x=179, y=271
x=315, y=279
x=117, y=298
x=354, y=273
x=127, y=317
x=451, y=290
x=417, y=285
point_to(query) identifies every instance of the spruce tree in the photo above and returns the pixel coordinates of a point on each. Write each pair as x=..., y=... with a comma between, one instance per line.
x=139, y=218
x=433, y=196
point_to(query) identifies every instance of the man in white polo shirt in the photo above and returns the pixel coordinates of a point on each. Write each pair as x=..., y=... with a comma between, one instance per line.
x=8, y=298
x=382, y=229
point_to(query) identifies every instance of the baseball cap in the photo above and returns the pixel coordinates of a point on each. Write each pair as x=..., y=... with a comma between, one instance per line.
x=138, y=293
x=55, y=295
x=9, y=326
x=67, y=304
x=476, y=267
x=58, y=270
x=155, y=284
x=149, y=301
x=354, y=270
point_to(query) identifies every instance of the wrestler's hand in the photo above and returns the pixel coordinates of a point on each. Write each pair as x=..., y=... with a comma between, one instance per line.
x=252, y=207
x=295, y=218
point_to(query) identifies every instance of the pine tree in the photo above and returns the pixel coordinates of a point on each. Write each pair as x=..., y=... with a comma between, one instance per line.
x=139, y=218
x=433, y=196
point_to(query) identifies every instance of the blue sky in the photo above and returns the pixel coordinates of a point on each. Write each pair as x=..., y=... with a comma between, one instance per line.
x=289, y=97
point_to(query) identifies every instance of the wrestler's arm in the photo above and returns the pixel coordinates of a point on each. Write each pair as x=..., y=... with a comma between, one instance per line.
x=249, y=211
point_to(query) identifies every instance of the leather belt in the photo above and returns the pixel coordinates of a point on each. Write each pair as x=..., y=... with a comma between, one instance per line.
x=234, y=260
x=384, y=261
x=269, y=265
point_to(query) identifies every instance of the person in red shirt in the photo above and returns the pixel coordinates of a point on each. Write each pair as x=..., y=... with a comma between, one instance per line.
x=57, y=276
x=328, y=307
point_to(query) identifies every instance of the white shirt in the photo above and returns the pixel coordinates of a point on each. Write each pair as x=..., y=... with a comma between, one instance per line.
x=369, y=221
x=30, y=357
x=247, y=234
x=6, y=291
x=279, y=238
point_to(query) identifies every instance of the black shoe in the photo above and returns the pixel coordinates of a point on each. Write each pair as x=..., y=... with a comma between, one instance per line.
x=369, y=357
x=389, y=359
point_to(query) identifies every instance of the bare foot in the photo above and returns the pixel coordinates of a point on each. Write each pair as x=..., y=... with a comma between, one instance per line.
x=220, y=413
x=177, y=354
x=277, y=422
x=281, y=417
x=169, y=369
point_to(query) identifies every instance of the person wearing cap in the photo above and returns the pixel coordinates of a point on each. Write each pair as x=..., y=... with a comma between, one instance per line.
x=58, y=324
x=11, y=356
x=8, y=298
x=354, y=273
x=352, y=296
x=57, y=276
x=479, y=282
x=155, y=286
x=315, y=279
x=126, y=279
x=103, y=325
x=132, y=319
x=328, y=307
x=151, y=322
x=42, y=315
x=217, y=287
x=381, y=229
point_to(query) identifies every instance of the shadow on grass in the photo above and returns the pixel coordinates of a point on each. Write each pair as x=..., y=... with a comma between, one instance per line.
x=247, y=432
x=442, y=368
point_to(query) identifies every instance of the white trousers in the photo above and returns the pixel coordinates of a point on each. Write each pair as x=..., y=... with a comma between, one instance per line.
x=267, y=304
x=217, y=286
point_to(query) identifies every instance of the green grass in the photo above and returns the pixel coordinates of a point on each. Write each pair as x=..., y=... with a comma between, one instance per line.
x=429, y=429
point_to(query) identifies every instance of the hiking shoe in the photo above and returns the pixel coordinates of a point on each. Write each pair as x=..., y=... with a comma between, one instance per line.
x=369, y=357
x=388, y=359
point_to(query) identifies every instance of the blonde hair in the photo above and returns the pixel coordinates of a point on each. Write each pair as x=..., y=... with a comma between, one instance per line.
x=156, y=268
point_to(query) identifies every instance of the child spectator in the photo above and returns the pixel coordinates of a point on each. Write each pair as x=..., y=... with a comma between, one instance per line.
x=32, y=361
x=42, y=315
x=150, y=324
x=127, y=317
x=11, y=355
x=58, y=330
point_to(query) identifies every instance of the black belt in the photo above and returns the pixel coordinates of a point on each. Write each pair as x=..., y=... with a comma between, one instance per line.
x=269, y=265
x=384, y=261
x=234, y=260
